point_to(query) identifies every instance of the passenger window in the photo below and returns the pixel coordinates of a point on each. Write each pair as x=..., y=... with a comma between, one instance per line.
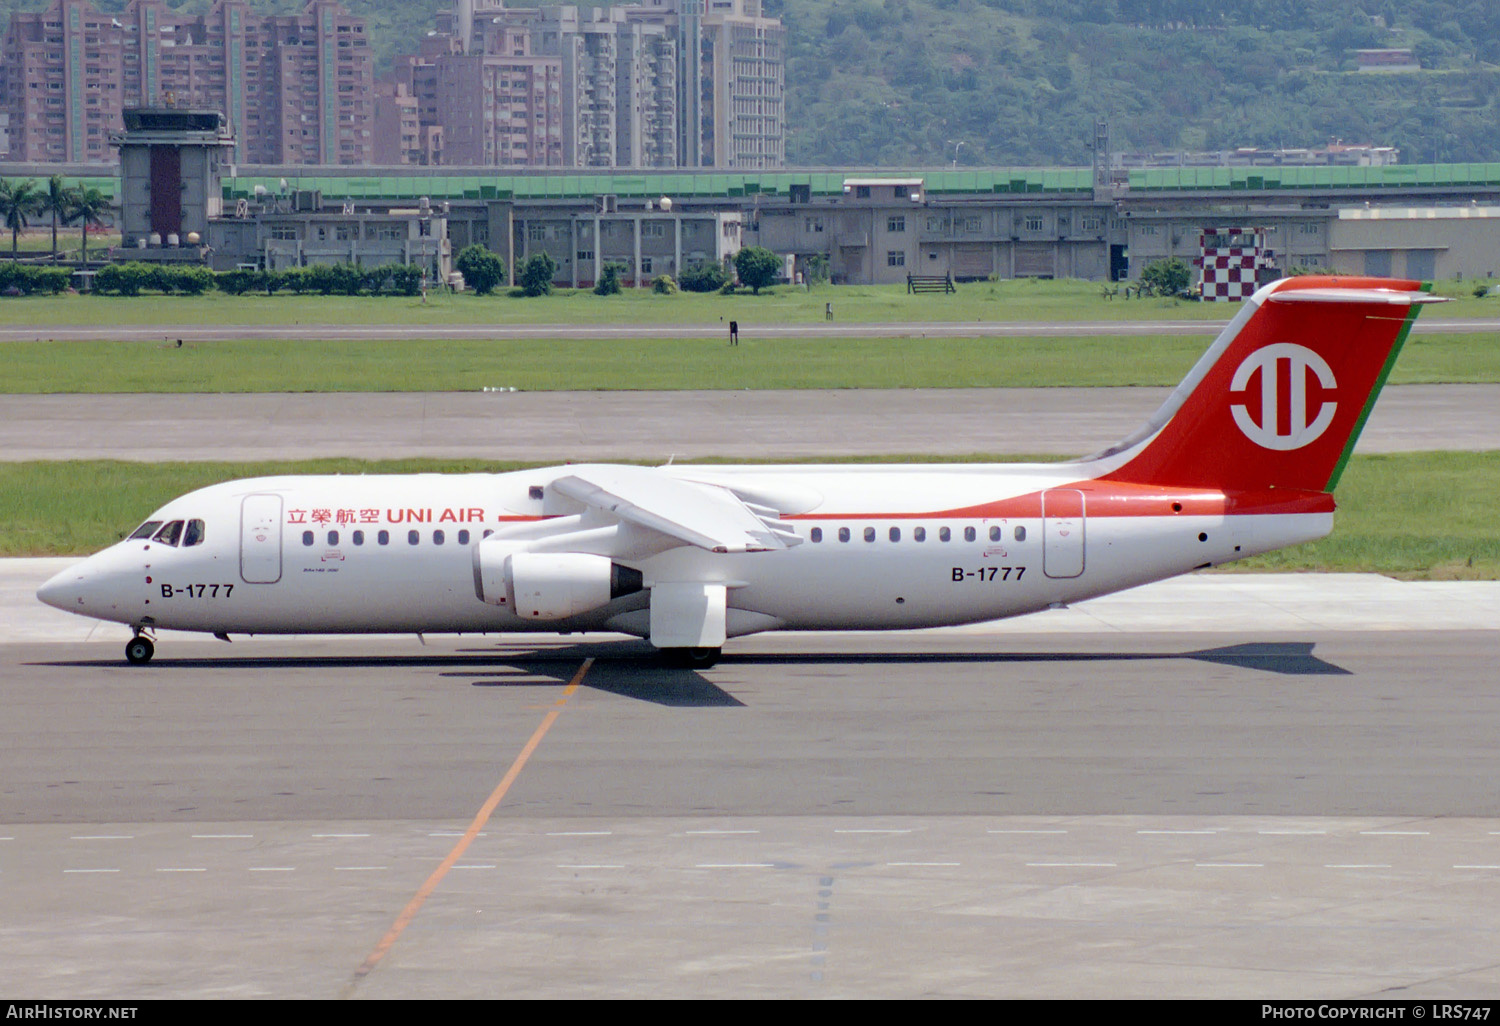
x=843, y=534
x=307, y=537
x=816, y=534
x=994, y=534
x=869, y=534
x=437, y=537
x=146, y=530
x=463, y=537
x=359, y=537
x=1020, y=534
x=895, y=534
x=970, y=534
x=919, y=534
x=412, y=537
x=194, y=533
x=333, y=537
x=486, y=534
x=170, y=534
x=384, y=537
x=944, y=534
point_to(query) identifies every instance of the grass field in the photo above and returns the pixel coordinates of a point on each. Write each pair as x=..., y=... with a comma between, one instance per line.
x=1412, y=515
x=35, y=242
x=1023, y=299
x=588, y=365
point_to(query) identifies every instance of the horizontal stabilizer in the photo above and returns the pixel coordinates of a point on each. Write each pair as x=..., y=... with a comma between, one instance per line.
x=1335, y=295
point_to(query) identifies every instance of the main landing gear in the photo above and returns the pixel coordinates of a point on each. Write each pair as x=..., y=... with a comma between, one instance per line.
x=691, y=658
x=139, y=650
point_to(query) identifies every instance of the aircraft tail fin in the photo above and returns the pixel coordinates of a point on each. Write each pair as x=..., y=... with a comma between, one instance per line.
x=1279, y=399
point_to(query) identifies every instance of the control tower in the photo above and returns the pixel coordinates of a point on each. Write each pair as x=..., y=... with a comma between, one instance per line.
x=170, y=162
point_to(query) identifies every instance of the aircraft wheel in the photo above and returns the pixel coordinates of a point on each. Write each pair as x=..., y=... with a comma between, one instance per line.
x=692, y=658
x=139, y=651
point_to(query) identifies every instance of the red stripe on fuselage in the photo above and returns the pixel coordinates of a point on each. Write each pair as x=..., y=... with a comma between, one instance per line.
x=1117, y=499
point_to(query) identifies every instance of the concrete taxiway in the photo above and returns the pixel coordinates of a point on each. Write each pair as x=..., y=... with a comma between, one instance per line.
x=558, y=426
x=712, y=330
x=1246, y=786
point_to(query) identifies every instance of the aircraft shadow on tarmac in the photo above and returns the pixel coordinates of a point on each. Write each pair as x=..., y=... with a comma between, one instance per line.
x=630, y=669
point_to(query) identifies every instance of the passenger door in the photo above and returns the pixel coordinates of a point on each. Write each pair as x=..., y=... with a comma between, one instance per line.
x=260, y=539
x=1062, y=532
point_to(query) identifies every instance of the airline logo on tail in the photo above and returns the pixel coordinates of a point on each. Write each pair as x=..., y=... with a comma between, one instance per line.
x=1284, y=409
x=1279, y=398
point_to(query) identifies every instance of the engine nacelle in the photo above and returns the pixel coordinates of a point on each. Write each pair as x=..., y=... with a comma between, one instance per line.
x=549, y=585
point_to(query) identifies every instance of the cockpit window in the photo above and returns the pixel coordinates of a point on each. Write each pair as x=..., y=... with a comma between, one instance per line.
x=194, y=533
x=146, y=530
x=170, y=534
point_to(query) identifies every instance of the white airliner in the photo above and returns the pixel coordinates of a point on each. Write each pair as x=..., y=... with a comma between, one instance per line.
x=1239, y=460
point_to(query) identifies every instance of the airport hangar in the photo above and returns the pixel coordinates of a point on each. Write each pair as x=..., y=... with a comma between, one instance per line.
x=865, y=225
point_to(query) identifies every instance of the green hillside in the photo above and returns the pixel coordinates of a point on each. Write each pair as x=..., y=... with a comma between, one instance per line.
x=1021, y=81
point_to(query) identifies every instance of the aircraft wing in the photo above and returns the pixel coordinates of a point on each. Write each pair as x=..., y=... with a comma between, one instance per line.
x=704, y=515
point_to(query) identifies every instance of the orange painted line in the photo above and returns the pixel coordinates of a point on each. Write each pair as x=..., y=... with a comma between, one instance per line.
x=480, y=819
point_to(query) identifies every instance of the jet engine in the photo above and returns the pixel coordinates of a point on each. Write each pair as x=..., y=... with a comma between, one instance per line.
x=550, y=585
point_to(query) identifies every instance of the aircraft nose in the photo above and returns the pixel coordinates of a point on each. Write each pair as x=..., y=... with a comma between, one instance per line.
x=65, y=590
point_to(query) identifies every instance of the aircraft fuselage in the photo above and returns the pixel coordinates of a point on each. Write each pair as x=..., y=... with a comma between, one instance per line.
x=881, y=548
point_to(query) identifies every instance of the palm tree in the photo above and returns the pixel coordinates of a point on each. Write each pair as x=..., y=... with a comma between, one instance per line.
x=18, y=202
x=87, y=207
x=56, y=201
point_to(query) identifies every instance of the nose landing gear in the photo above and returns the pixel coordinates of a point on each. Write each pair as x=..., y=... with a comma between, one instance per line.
x=139, y=650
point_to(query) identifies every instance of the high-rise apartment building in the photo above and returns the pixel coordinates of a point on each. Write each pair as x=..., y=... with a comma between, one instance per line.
x=295, y=89
x=732, y=70
x=619, y=77
x=62, y=79
x=663, y=83
x=742, y=76
x=660, y=83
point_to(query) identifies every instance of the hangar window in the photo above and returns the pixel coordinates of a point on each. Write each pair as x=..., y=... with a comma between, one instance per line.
x=919, y=534
x=944, y=534
x=194, y=533
x=843, y=534
x=384, y=537
x=816, y=534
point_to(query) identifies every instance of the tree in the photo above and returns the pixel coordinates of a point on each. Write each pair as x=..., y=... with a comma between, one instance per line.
x=482, y=270
x=707, y=277
x=757, y=267
x=56, y=201
x=1166, y=277
x=87, y=207
x=19, y=200
x=535, y=274
x=609, y=281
